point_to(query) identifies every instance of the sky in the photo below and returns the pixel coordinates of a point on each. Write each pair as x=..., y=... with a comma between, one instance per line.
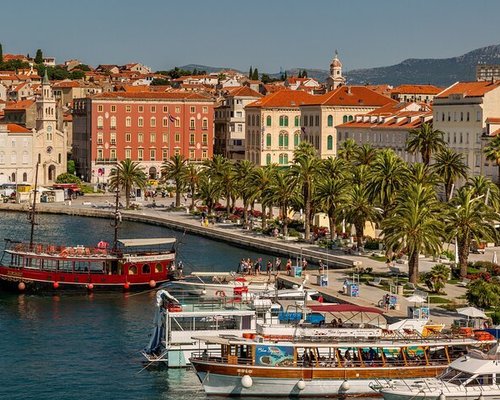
x=269, y=35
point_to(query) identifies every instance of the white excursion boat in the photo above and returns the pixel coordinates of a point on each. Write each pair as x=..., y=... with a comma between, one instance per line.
x=473, y=376
x=320, y=365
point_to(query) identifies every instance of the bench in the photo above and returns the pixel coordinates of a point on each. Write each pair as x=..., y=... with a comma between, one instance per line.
x=375, y=282
x=396, y=271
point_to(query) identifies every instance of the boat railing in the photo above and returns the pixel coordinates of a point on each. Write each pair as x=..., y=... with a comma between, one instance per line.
x=59, y=251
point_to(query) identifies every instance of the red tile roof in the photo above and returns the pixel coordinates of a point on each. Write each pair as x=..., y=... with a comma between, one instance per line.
x=19, y=105
x=242, y=91
x=284, y=98
x=469, y=89
x=493, y=120
x=416, y=89
x=14, y=128
x=66, y=84
x=151, y=96
x=352, y=96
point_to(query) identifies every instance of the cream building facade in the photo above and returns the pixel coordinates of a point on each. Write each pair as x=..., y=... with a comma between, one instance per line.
x=16, y=154
x=461, y=112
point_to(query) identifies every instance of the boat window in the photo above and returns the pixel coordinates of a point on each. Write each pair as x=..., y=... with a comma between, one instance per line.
x=460, y=378
x=65, y=265
x=132, y=270
x=82, y=266
x=449, y=374
x=158, y=268
x=480, y=380
x=146, y=269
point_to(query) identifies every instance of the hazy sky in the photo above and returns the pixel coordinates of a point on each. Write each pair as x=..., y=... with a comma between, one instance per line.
x=266, y=34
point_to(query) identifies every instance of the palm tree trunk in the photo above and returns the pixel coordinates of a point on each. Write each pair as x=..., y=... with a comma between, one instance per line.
x=333, y=226
x=413, y=267
x=263, y=217
x=191, y=207
x=177, y=194
x=463, y=254
x=285, y=220
x=426, y=157
x=307, y=216
x=127, y=196
x=359, y=226
x=245, y=213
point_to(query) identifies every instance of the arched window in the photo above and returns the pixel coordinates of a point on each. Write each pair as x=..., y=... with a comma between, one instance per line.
x=282, y=120
x=13, y=177
x=13, y=157
x=296, y=139
x=285, y=140
x=330, y=120
x=268, y=140
x=281, y=158
x=158, y=268
x=297, y=120
x=132, y=270
x=285, y=121
x=25, y=177
x=25, y=157
x=268, y=120
x=112, y=122
x=344, y=119
x=100, y=122
x=329, y=142
x=146, y=269
x=140, y=122
x=128, y=121
x=268, y=159
x=152, y=122
x=351, y=117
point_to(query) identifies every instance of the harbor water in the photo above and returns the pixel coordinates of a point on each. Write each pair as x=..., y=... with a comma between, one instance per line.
x=82, y=347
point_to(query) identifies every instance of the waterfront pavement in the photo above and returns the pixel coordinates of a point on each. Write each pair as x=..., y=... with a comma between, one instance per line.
x=344, y=265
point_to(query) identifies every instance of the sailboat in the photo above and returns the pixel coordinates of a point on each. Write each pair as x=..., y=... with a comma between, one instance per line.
x=126, y=264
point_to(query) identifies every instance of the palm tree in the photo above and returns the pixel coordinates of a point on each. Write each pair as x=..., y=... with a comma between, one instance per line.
x=282, y=191
x=243, y=175
x=387, y=176
x=348, y=150
x=469, y=218
x=209, y=191
x=492, y=153
x=437, y=277
x=259, y=183
x=365, y=154
x=483, y=294
x=483, y=186
x=175, y=168
x=219, y=169
x=331, y=195
x=420, y=173
x=414, y=225
x=306, y=168
x=127, y=174
x=450, y=166
x=191, y=179
x=426, y=141
x=334, y=167
x=360, y=210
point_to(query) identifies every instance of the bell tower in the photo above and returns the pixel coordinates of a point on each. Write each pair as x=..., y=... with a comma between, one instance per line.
x=335, y=79
x=46, y=107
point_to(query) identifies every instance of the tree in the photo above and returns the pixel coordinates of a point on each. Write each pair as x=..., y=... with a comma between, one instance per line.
x=243, y=175
x=365, y=154
x=426, y=141
x=261, y=180
x=450, y=166
x=348, y=150
x=219, y=170
x=160, y=82
x=437, y=277
x=209, y=191
x=331, y=196
x=469, y=218
x=250, y=73
x=68, y=178
x=1, y=53
x=71, y=167
x=483, y=186
x=191, y=179
x=174, y=168
x=420, y=173
x=127, y=174
x=39, y=57
x=414, y=225
x=492, y=152
x=282, y=190
x=255, y=75
x=483, y=294
x=304, y=74
x=306, y=168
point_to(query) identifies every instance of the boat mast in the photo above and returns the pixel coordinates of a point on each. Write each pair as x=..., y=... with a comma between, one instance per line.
x=31, y=215
x=118, y=216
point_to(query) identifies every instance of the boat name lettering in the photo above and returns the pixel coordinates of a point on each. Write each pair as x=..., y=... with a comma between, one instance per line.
x=244, y=371
x=14, y=273
x=149, y=258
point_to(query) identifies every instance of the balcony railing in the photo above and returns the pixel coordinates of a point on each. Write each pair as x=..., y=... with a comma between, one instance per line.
x=106, y=160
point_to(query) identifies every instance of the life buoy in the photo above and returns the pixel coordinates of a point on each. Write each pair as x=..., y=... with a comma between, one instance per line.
x=220, y=293
x=64, y=253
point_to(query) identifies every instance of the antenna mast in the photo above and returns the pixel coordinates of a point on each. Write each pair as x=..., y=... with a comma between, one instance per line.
x=31, y=215
x=118, y=216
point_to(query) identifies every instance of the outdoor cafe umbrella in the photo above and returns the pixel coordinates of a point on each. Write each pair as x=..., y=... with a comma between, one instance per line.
x=416, y=299
x=472, y=312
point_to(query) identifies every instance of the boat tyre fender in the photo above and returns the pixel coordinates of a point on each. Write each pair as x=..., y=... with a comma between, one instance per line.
x=220, y=293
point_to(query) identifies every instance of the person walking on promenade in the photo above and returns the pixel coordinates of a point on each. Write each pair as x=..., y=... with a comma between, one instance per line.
x=304, y=264
x=269, y=267
x=278, y=265
x=289, y=267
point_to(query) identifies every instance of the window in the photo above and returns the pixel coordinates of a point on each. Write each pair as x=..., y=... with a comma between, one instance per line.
x=204, y=139
x=330, y=120
x=344, y=119
x=164, y=122
x=478, y=116
x=100, y=154
x=306, y=123
x=204, y=154
x=113, y=138
x=152, y=122
x=268, y=120
x=204, y=110
x=25, y=159
x=316, y=120
x=140, y=154
x=152, y=137
x=128, y=122
x=297, y=120
x=112, y=123
x=329, y=142
x=204, y=124
x=283, y=120
x=468, y=116
x=285, y=140
x=191, y=154
x=128, y=137
x=192, y=109
x=25, y=179
x=177, y=122
x=268, y=140
x=442, y=117
x=140, y=108
x=296, y=139
x=164, y=154
x=113, y=108
x=177, y=109
x=351, y=117
x=268, y=159
x=191, y=139
x=280, y=140
x=100, y=122
x=128, y=109
x=152, y=154
x=140, y=138
x=177, y=137
x=461, y=115
x=100, y=138
x=153, y=109
x=128, y=153
x=100, y=108
x=165, y=138
x=112, y=154
x=177, y=152
x=191, y=123
x=165, y=109
x=311, y=120
x=239, y=128
x=140, y=122
x=283, y=159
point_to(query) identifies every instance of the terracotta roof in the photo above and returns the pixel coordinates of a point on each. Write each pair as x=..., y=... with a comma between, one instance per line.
x=381, y=89
x=284, y=98
x=352, y=96
x=66, y=84
x=416, y=89
x=493, y=120
x=270, y=88
x=405, y=120
x=151, y=96
x=242, y=91
x=14, y=128
x=19, y=105
x=469, y=89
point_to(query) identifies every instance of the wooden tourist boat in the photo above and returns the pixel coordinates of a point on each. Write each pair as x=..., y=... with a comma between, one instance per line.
x=129, y=264
x=320, y=366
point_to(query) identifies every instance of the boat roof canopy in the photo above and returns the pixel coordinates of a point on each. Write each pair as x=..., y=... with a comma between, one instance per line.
x=339, y=308
x=146, y=242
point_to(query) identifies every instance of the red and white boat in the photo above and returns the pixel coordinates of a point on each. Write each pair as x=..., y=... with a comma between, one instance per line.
x=129, y=264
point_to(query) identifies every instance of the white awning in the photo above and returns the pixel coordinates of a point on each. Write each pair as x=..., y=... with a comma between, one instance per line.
x=146, y=242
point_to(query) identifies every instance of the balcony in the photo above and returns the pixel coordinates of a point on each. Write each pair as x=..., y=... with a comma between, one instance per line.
x=106, y=161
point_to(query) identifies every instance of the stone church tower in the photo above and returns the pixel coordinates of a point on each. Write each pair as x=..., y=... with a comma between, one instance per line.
x=49, y=144
x=335, y=79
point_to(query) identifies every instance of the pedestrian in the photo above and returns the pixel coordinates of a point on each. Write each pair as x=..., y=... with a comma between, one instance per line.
x=387, y=301
x=321, y=268
x=344, y=286
x=304, y=264
x=269, y=267
x=278, y=265
x=258, y=266
x=289, y=267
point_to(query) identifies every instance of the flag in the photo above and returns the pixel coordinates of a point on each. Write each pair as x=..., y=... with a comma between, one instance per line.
x=171, y=118
x=303, y=129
